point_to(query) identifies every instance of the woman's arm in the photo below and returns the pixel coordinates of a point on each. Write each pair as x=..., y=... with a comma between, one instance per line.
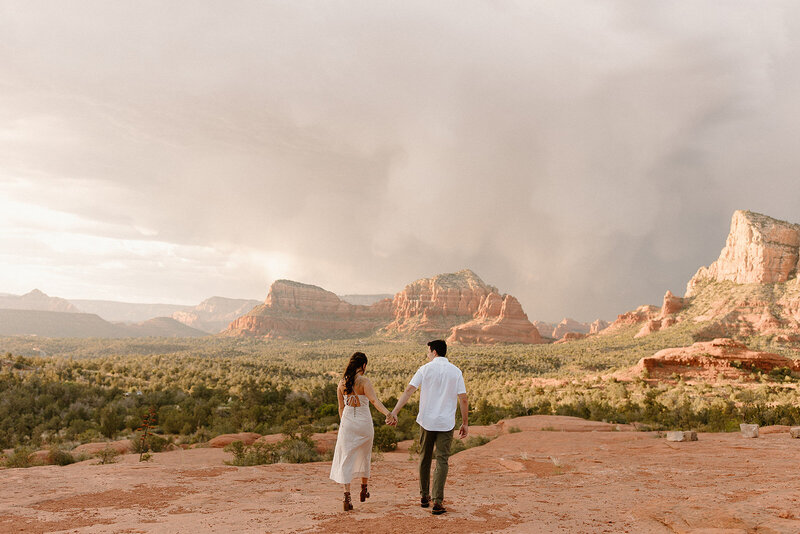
x=369, y=391
x=340, y=398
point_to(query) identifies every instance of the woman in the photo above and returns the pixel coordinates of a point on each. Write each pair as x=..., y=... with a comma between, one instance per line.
x=353, y=452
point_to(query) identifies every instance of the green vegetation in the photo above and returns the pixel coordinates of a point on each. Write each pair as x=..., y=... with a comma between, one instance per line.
x=67, y=391
x=472, y=441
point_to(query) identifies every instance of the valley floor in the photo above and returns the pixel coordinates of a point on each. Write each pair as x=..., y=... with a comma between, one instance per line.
x=574, y=477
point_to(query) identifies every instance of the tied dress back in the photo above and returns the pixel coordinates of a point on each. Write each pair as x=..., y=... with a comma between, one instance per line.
x=353, y=452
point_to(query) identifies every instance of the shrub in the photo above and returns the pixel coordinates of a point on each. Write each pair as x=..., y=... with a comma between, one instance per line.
x=472, y=441
x=514, y=430
x=108, y=455
x=60, y=457
x=290, y=451
x=19, y=458
x=385, y=439
x=149, y=443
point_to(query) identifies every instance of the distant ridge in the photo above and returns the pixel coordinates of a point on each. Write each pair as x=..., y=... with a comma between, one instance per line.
x=126, y=312
x=84, y=325
x=36, y=300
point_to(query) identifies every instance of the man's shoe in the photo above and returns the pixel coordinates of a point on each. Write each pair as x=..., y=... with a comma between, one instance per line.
x=438, y=509
x=425, y=501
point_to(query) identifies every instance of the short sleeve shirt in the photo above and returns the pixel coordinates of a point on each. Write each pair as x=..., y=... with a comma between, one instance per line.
x=440, y=382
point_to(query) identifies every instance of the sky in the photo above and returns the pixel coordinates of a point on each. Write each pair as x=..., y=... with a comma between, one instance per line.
x=584, y=156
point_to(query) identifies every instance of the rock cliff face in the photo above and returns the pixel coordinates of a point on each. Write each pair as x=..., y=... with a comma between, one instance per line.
x=296, y=310
x=545, y=329
x=498, y=320
x=435, y=305
x=569, y=325
x=639, y=315
x=458, y=306
x=215, y=314
x=759, y=249
x=723, y=358
x=666, y=318
x=598, y=326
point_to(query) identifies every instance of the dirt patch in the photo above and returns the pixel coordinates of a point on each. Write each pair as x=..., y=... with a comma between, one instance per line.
x=146, y=497
x=206, y=473
x=453, y=521
x=29, y=525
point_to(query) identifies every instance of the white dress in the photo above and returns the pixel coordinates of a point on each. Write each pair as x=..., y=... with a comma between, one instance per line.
x=353, y=452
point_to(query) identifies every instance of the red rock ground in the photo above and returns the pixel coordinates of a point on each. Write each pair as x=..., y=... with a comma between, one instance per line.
x=579, y=477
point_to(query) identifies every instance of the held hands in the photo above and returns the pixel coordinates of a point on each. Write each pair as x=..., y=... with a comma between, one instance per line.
x=391, y=419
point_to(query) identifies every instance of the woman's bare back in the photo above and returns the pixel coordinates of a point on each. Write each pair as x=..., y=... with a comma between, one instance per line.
x=351, y=399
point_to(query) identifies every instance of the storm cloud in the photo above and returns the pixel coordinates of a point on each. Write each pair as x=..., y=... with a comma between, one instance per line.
x=583, y=156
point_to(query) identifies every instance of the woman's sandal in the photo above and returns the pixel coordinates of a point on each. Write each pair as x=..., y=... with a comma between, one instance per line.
x=347, y=504
x=364, y=493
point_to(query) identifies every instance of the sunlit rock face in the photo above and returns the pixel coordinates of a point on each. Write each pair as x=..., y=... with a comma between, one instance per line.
x=457, y=306
x=500, y=319
x=297, y=310
x=720, y=358
x=435, y=305
x=759, y=249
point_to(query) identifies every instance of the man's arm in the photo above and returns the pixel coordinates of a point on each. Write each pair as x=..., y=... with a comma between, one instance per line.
x=463, y=404
x=403, y=399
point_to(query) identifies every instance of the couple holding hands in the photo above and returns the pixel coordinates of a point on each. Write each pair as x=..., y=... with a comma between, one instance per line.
x=442, y=388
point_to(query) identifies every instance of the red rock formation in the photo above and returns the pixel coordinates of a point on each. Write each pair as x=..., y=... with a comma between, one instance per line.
x=569, y=325
x=666, y=318
x=434, y=305
x=214, y=314
x=598, y=326
x=759, y=249
x=223, y=440
x=497, y=320
x=545, y=329
x=571, y=336
x=296, y=310
x=639, y=315
x=671, y=304
x=123, y=447
x=720, y=357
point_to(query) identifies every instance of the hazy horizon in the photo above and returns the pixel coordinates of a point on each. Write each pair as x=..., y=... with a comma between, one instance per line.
x=583, y=156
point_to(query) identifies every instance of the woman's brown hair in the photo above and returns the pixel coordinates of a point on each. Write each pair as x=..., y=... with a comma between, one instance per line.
x=357, y=361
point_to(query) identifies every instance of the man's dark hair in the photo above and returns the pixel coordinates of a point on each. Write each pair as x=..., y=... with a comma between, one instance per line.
x=438, y=346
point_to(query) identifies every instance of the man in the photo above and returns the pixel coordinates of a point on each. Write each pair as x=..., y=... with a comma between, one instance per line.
x=441, y=386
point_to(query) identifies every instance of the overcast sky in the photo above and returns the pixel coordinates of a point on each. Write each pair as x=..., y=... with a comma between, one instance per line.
x=582, y=156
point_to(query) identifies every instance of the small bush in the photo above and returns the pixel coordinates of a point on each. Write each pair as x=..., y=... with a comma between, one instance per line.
x=472, y=441
x=385, y=439
x=290, y=451
x=514, y=430
x=20, y=458
x=60, y=457
x=152, y=443
x=108, y=455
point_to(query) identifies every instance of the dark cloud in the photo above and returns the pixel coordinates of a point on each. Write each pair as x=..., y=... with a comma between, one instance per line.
x=584, y=156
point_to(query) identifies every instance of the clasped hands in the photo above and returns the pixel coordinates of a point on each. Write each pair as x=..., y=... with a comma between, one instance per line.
x=391, y=419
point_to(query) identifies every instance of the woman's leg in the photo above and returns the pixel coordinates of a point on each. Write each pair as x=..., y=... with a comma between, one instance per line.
x=364, y=480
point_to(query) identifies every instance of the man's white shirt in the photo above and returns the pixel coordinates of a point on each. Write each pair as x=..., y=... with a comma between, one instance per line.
x=440, y=382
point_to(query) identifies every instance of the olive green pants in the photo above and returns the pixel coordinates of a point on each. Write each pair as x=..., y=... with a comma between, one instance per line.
x=428, y=440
